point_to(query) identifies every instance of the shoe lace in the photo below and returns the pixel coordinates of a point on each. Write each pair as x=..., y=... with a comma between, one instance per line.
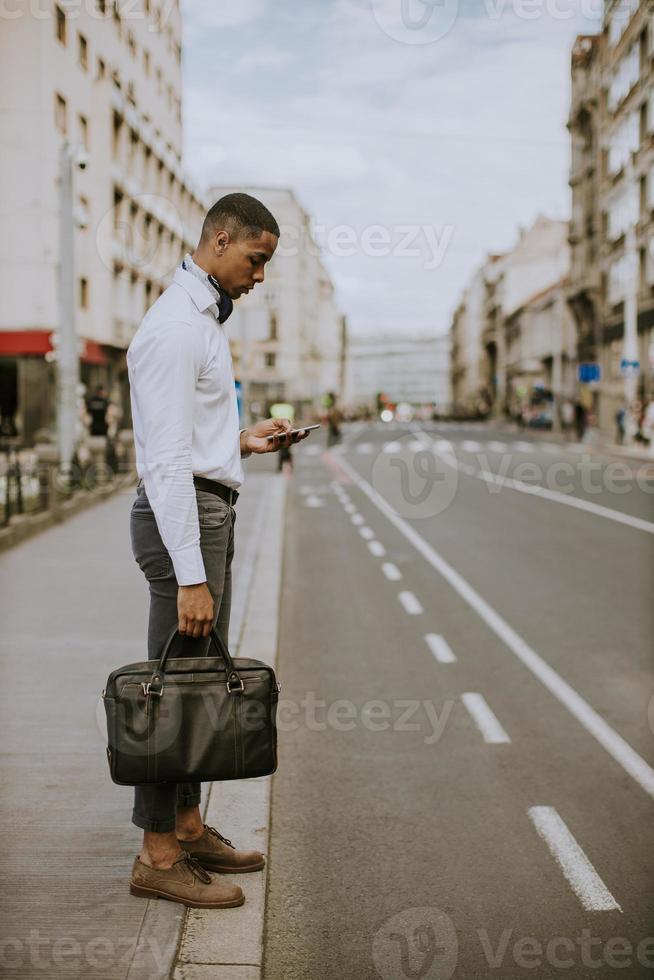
x=196, y=869
x=212, y=830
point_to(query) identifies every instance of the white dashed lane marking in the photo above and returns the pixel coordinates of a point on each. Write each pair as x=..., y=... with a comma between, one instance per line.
x=484, y=719
x=411, y=603
x=377, y=549
x=391, y=571
x=440, y=648
x=579, y=872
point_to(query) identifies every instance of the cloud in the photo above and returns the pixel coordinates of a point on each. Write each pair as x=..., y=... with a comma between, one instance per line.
x=467, y=131
x=264, y=57
x=200, y=15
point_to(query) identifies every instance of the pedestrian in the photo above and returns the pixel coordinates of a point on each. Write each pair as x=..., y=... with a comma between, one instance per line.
x=97, y=406
x=620, y=423
x=188, y=458
x=334, y=419
x=284, y=410
x=580, y=421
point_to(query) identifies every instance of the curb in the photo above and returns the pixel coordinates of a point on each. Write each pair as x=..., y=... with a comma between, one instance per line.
x=228, y=944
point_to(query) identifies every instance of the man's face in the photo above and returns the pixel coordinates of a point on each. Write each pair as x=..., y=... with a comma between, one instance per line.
x=241, y=265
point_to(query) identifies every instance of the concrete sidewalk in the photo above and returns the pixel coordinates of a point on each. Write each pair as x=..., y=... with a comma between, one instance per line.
x=74, y=607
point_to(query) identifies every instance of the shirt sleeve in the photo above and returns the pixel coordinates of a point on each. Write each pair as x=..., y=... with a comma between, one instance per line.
x=166, y=374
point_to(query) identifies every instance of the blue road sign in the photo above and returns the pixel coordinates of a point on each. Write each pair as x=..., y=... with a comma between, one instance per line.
x=589, y=372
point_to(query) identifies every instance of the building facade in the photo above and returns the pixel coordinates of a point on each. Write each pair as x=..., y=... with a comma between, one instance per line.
x=611, y=123
x=108, y=85
x=494, y=346
x=408, y=369
x=288, y=338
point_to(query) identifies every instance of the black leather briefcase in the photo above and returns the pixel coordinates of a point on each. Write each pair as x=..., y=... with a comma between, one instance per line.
x=191, y=719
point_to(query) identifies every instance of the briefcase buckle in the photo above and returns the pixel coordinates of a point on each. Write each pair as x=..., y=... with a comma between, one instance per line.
x=235, y=685
x=147, y=689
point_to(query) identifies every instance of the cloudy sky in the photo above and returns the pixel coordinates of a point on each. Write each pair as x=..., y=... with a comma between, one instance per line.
x=419, y=134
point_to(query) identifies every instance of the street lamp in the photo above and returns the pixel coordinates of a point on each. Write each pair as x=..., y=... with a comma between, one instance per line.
x=71, y=157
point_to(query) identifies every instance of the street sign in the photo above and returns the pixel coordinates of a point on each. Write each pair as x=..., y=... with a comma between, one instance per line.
x=589, y=372
x=628, y=368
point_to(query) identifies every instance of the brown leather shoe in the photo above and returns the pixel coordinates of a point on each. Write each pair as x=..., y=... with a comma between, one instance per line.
x=215, y=853
x=186, y=882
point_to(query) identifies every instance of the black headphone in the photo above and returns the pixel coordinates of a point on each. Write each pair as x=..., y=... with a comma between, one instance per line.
x=225, y=304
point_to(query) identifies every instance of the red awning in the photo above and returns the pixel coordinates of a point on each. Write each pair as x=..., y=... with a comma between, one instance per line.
x=21, y=343
x=14, y=343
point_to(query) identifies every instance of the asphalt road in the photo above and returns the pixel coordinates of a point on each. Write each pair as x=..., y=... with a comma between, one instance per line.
x=466, y=786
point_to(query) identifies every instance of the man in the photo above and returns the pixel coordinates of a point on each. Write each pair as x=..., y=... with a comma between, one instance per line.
x=188, y=456
x=97, y=406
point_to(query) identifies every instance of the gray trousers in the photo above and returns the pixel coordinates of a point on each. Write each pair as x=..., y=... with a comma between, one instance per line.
x=155, y=804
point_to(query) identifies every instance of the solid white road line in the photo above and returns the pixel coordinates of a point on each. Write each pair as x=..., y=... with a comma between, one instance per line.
x=440, y=648
x=614, y=744
x=484, y=719
x=391, y=571
x=410, y=603
x=365, y=448
x=535, y=490
x=580, y=873
x=497, y=447
x=357, y=519
x=366, y=533
x=469, y=446
x=392, y=447
x=377, y=549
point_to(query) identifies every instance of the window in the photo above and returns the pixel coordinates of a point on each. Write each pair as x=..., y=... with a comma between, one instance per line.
x=269, y=359
x=625, y=77
x=131, y=44
x=622, y=142
x=146, y=62
x=82, y=52
x=159, y=81
x=83, y=125
x=84, y=294
x=61, y=114
x=84, y=212
x=273, y=326
x=118, y=200
x=60, y=25
x=102, y=68
x=117, y=132
x=101, y=7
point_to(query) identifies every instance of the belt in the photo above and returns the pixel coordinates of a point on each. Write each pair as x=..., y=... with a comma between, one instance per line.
x=219, y=489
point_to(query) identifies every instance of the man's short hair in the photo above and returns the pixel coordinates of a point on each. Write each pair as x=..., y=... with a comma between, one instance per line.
x=241, y=215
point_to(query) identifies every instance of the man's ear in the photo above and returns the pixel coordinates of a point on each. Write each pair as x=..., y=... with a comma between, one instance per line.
x=220, y=242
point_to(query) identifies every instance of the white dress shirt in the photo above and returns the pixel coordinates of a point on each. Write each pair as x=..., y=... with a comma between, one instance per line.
x=184, y=413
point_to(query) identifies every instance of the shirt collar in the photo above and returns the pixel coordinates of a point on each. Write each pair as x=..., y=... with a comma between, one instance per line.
x=202, y=295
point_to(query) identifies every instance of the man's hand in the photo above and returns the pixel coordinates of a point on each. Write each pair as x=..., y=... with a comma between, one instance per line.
x=255, y=439
x=195, y=610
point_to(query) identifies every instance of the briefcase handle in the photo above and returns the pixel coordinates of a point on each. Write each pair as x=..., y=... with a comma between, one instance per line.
x=234, y=683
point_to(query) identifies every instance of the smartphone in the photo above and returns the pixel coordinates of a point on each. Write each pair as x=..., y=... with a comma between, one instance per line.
x=304, y=428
